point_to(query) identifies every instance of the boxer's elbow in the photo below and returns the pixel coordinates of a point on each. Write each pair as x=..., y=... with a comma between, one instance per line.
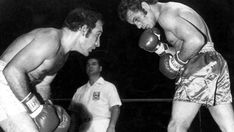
x=11, y=72
x=195, y=43
x=8, y=71
x=198, y=41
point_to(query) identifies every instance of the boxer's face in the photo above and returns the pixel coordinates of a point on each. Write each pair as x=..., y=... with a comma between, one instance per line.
x=140, y=19
x=92, y=39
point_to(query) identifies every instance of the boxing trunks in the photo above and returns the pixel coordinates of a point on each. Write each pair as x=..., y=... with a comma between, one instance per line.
x=9, y=104
x=205, y=79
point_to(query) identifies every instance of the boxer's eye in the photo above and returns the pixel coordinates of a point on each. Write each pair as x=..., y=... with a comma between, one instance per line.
x=135, y=20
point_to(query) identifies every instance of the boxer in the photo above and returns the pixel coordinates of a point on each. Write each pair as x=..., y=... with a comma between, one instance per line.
x=29, y=65
x=201, y=73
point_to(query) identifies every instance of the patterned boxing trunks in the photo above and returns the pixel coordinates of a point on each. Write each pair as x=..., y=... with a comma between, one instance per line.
x=205, y=80
x=9, y=104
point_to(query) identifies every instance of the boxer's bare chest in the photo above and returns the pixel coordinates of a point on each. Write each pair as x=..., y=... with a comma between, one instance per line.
x=48, y=67
x=173, y=40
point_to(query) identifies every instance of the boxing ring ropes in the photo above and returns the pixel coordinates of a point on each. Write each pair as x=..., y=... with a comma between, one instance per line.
x=143, y=100
x=128, y=100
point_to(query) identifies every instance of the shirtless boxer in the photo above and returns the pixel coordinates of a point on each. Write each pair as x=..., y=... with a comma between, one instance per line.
x=201, y=73
x=29, y=65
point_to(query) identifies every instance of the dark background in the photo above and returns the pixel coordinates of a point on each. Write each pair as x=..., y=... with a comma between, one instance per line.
x=132, y=70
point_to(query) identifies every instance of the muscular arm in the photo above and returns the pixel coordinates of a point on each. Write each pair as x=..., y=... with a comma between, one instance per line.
x=28, y=59
x=115, y=111
x=192, y=39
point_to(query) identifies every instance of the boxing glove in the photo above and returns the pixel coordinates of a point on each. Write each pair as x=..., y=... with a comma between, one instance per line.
x=170, y=65
x=150, y=41
x=64, y=119
x=44, y=116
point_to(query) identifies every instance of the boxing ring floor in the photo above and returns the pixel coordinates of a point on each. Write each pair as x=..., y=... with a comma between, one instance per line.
x=152, y=115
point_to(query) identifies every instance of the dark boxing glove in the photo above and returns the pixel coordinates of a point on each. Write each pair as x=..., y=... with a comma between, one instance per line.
x=64, y=118
x=150, y=41
x=44, y=116
x=170, y=65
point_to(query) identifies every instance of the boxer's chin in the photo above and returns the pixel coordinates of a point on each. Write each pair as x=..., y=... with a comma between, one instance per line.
x=85, y=53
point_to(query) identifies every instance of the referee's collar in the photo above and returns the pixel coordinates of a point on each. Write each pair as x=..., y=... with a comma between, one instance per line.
x=99, y=81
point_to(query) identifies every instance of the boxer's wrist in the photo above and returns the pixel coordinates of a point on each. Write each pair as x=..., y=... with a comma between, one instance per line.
x=161, y=48
x=179, y=60
x=36, y=112
x=31, y=103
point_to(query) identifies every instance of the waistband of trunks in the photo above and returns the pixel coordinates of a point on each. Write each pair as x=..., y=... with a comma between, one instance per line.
x=209, y=46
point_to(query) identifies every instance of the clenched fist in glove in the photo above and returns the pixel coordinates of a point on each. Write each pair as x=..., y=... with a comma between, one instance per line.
x=44, y=116
x=150, y=41
x=64, y=118
x=170, y=65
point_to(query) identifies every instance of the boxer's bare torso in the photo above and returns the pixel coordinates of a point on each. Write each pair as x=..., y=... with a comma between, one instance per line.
x=39, y=67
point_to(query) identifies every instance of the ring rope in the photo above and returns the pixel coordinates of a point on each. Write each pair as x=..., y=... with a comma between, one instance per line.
x=129, y=100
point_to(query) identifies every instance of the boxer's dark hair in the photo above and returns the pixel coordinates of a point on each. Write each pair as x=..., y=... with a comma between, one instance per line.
x=133, y=5
x=80, y=17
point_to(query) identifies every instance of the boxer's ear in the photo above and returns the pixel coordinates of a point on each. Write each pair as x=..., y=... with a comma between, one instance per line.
x=84, y=30
x=145, y=6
